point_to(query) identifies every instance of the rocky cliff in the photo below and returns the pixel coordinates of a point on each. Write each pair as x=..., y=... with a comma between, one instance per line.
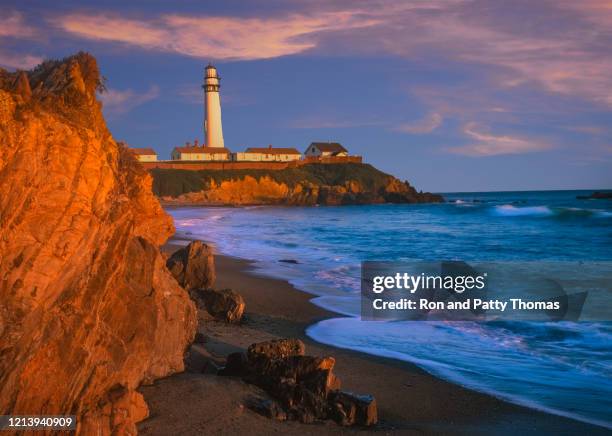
x=88, y=310
x=325, y=184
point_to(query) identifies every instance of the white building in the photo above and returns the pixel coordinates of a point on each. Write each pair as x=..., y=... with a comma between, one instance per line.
x=267, y=154
x=213, y=131
x=145, y=154
x=325, y=149
x=195, y=152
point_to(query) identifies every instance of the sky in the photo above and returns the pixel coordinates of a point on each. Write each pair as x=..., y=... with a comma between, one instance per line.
x=451, y=95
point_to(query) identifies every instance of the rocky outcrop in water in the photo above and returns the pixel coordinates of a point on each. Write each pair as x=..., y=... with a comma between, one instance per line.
x=88, y=310
x=597, y=195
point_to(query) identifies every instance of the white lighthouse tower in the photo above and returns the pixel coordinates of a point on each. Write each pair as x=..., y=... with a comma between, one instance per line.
x=213, y=132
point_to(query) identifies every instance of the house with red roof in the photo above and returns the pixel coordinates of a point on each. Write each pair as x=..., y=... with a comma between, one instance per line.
x=144, y=154
x=267, y=154
x=325, y=149
x=197, y=152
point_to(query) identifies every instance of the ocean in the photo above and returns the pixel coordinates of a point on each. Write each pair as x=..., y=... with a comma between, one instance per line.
x=563, y=368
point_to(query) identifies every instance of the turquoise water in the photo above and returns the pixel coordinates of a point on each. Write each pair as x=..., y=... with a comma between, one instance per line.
x=564, y=368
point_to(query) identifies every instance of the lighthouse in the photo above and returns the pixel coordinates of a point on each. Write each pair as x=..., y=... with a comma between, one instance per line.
x=213, y=132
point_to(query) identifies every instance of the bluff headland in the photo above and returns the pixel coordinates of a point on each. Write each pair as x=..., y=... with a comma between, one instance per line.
x=88, y=310
x=325, y=184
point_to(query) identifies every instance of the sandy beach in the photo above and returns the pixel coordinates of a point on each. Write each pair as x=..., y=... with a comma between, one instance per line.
x=410, y=401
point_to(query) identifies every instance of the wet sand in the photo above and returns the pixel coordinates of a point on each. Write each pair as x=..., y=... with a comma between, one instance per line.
x=410, y=401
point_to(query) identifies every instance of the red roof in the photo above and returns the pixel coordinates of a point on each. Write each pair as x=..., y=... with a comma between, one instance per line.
x=272, y=150
x=144, y=151
x=202, y=149
x=332, y=147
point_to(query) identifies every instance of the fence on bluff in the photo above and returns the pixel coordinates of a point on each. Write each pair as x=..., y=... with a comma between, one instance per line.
x=243, y=165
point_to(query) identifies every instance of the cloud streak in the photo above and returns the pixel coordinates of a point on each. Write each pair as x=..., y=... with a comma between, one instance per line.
x=19, y=61
x=488, y=144
x=562, y=47
x=427, y=125
x=118, y=102
x=13, y=25
x=225, y=38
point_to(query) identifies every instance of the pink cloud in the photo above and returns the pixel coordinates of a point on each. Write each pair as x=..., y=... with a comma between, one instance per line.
x=596, y=11
x=591, y=130
x=561, y=47
x=19, y=61
x=488, y=144
x=13, y=25
x=227, y=38
x=426, y=125
x=570, y=64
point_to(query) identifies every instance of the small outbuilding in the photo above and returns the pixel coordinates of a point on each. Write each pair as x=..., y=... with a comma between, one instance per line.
x=325, y=149
x=268, y=154
x=202, y=153
x=145, y=154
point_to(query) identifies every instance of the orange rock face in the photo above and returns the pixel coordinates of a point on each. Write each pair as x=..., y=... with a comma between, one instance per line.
x=246, y=189
x=88, y=310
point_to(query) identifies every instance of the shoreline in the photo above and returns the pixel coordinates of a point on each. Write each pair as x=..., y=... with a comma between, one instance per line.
x=410, y=400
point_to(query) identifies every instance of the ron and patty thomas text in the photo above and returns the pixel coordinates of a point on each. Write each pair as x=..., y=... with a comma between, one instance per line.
x=458, y=284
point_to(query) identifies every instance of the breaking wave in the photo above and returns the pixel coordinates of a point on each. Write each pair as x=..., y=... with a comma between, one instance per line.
x=509, y=210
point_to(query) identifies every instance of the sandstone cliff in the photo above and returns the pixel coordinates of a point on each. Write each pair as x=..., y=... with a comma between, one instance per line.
x=313, y=184
x=88, y=310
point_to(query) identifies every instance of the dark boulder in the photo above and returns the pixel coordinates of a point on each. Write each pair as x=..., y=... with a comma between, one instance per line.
x=224, y=305
x=277, y=348
x=193, y=266
x=347, y=408
x=236, y=365
x=268, y=408
x=304, y=386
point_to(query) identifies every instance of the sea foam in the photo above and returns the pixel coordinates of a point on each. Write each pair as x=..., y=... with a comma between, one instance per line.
x=510, y=210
